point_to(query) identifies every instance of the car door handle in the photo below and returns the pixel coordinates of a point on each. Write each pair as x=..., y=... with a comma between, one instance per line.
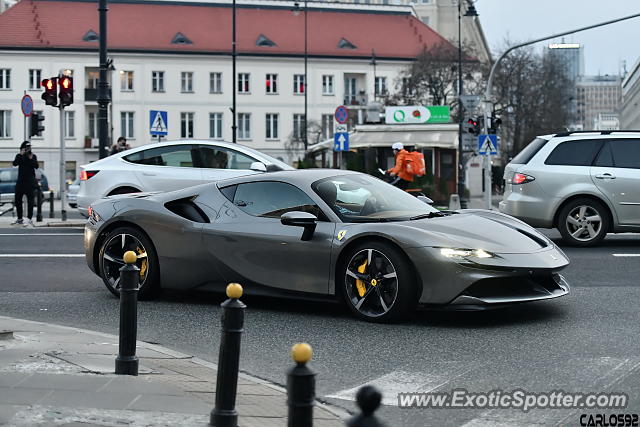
x=148, y=174
x=605, y=176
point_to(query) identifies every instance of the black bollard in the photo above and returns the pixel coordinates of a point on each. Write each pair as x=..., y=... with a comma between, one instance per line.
x=39, y=199
x=301, y=388
x=368, y=399
x=127, y=361
x=51, y=209
x=224, y=414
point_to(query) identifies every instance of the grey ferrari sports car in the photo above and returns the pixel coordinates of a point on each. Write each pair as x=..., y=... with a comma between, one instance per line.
x=323, y=233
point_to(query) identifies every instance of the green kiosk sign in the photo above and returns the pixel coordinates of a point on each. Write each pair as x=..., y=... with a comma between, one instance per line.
x=417, y=114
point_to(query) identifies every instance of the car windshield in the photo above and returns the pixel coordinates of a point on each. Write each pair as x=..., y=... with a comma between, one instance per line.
x=363, y=198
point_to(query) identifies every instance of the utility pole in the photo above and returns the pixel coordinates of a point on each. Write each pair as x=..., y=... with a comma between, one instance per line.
x=488, y=94
x=104, y=96
x=306, y=81
x=234, y=88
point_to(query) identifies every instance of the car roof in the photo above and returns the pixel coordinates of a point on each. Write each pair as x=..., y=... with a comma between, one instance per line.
x=590, y=134
x=296, y=177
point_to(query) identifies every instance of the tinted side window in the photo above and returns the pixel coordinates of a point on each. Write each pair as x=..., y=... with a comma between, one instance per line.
x=172, y=155
x=272, y=199
x=529, y=151
x=9, y=175
x=222, y=158
x=574, y=153
x=626, y=153
x=605, y=158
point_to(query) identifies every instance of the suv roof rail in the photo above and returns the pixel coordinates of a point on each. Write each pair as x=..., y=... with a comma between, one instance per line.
x=601, y=132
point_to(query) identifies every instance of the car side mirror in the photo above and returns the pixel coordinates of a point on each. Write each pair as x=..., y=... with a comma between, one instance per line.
x=425, y=199
x=301, y=219
x=258, y=167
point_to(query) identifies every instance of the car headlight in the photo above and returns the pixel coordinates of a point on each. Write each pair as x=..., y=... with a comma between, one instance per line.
x=457, y=253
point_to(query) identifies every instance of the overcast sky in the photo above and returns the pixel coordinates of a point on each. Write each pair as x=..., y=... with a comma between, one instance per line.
x=604, y=48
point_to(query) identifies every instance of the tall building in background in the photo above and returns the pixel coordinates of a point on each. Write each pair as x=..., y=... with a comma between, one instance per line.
x=572, y=56
x=630, y=108
x=599, y=100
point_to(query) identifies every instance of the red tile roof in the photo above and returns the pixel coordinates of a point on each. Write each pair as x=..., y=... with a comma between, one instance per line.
x=139, y=26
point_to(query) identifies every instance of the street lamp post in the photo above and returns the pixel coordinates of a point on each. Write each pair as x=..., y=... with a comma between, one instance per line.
x=471, y=11
x=306, y=81
x=103, y=98
x=374, y=63
x=234, y=127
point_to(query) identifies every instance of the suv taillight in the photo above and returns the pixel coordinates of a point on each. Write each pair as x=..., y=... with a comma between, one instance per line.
x=520, y=178
x=85, y=175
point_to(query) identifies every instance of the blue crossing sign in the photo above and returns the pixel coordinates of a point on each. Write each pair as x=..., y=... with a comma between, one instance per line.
x=341, y=141
x=158, y=123
x=488, y=144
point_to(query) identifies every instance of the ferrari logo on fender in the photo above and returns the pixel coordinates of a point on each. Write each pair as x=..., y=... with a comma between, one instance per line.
x=374, y=282
x=341, y=234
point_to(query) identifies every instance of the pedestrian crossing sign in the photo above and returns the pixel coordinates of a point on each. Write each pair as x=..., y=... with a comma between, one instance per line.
x=158, y=123
x=488, y=144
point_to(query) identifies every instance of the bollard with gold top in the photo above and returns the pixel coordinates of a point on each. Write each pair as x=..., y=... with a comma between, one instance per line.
x=127, y=361
x=301, y=387
x=224, y=413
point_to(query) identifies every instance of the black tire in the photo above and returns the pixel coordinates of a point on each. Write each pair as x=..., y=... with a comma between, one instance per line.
x=123, y=190
x=150, y=273
x=583, y=222
x=379, y=295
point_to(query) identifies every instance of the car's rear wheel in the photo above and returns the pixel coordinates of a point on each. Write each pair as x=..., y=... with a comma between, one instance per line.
x=378, y=283
x=119, y=241
x=583, y=222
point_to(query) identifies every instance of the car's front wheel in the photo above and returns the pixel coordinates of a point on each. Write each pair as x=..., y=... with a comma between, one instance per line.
x=119, y=241
x=378, y=282
x=583, y=222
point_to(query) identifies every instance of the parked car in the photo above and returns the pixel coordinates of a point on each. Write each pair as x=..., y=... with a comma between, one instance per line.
x=8, y=178
x=585, y=184
x=167, y=166
x=324, y=232
x=72, y=193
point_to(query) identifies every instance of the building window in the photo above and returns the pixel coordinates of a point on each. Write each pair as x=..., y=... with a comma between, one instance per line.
x=126, y=124
x=187, y=81
x=272, y=83
x=35, y=77
x=407, y=87
x=298, y=84
x=69, y=124
x=298, y=127
x=381, y=86
x=215, y=125
x=92, y=125
x=5, y=123
x=91, y=81
x=327, y=126
x=5, y=78
x=243, y=83
x=272, y=126
x=215, y=82
x=157, y=81
x=126, y=81
x=425, y=20
x=327, y=85
x=244, y=126
x=186, y=125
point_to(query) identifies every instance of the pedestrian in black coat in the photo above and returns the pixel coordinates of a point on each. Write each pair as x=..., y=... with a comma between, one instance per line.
x=26, y=185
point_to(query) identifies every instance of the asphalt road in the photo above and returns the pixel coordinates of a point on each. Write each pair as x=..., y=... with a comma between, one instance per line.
x=585, y=342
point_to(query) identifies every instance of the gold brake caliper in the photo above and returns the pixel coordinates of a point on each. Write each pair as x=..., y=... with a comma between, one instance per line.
x=359, y=283
x=143, y=265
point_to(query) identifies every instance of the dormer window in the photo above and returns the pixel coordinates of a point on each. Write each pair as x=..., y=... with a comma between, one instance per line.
x=346, y=44
x=264, y=41
x=180, y=38
x=91, y=36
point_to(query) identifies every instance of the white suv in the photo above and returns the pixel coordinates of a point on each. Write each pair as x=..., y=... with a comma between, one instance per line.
x=168, y=166
x=585, y=184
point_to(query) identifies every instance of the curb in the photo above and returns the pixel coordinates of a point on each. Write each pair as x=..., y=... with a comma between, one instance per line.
x=335, y=410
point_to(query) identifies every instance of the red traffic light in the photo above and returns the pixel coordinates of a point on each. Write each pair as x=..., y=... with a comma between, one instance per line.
x=50, y=95
x=65, y=83
x=66, y=90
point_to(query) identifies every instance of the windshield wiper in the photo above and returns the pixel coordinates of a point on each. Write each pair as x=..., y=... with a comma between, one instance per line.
x=427, y=215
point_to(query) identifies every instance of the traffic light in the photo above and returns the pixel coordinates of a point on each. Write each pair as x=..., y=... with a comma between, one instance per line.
x=50, y=94
x=495, y=123
x=474, y=126
x=35, y=127
x=66, y=90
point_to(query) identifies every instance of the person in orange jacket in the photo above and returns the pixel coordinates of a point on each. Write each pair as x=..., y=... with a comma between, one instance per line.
x=399, y=171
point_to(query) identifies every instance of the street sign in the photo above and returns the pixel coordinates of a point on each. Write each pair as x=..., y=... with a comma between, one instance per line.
x=488, y=144
x=27, y=105
x=469, y=142
x=158, y=123
x=470, y=102
x=341, y=141
x=340, y=128
x=417, y=114
x=342, y=114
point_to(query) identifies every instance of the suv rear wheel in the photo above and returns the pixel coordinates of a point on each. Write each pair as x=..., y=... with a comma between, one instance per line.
x=583, y=222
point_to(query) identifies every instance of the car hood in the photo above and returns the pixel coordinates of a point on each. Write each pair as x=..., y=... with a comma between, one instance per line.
x=493, y=233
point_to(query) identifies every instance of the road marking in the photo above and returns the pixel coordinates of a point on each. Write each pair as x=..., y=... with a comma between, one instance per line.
x=41, y=255
x=626, y=255
x=41, y=234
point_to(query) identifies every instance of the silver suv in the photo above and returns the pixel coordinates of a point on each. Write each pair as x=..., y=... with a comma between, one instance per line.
x=585, y=184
